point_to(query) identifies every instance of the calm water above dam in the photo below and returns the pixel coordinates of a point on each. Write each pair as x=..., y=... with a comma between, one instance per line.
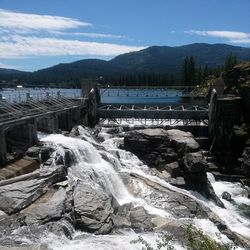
x=20, y=94
x=143, y=96
x=159, y=96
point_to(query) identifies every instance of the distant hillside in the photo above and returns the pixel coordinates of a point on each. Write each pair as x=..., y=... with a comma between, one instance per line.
x=161, y=59
x=4, y=71
x=153, y=60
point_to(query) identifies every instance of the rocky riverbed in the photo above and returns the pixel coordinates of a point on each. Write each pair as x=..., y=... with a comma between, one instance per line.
x=98, y=182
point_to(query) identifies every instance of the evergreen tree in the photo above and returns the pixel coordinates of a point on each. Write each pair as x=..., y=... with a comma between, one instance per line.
x=230, y=62
x=188, y=71
x=192, y=70
x=199, y=76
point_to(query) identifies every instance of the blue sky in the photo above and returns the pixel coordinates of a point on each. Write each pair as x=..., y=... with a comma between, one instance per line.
x=35, y=34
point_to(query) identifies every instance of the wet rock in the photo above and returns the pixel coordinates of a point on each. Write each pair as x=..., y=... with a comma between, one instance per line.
x=210, y=194
x=178, y=182
x=33, y=151
x=45, y=153
x=9, y=224
x=120, y=222
x=18, y=195
x=194, y=163
x=226, y=196
x=25, y=247
x=246, y=160
x=62, y=227
x=171, y=226
x=68, y=158
x=194, y=166
x=46, y=208
x=140, y=220
x=174, y=169
x=179, y=205
x=92, y=209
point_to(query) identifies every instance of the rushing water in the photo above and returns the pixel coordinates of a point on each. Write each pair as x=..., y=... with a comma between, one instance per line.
x=101, y=165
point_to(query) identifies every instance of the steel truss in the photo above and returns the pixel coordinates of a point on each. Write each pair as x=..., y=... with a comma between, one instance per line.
x=194, y=112
x=151, y=122
x=11, y=111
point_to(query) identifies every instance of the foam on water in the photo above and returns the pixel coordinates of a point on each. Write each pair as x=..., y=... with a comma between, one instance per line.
x=103, y=242
x=230, y=216
x=101, y=168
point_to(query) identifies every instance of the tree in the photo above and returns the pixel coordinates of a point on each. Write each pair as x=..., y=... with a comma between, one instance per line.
x=230, y=62
x=188, y=71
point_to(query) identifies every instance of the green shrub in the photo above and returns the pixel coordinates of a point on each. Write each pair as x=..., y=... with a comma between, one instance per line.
x=196, y=240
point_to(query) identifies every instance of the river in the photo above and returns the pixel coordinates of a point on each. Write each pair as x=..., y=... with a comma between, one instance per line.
x=107, y=168
x=104, y=167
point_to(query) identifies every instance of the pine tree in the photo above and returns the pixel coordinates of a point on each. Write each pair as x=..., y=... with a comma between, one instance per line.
x=188, y=71
x=230, y=62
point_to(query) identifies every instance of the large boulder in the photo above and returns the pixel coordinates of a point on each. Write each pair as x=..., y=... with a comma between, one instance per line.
x=140, y=219
x=17, y=195
x=50, y=208
x=182, y=141
x=158, y=146
x=93, y=208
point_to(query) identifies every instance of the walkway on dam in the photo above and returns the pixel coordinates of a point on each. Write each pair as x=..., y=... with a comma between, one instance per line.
x=14, y=112
x=193, y=112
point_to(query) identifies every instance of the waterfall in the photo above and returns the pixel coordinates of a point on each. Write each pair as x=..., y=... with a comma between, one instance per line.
x=101, y=165
x=90, y=167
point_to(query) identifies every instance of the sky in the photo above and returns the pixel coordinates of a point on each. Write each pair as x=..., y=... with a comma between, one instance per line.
x=36, y=34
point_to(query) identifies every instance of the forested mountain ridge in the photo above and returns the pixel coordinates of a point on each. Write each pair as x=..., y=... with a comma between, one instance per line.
x=157, y=60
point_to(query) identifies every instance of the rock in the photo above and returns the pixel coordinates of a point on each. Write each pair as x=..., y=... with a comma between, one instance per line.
x=45, y=153
x=182, y=141
x=61, y=227
x=92, y=209
x=194, y=167
x=16, y=196
x=174, y=169
x=140, y=220
x=194, y=163
x=171, y=226
x=140, y=142
x=25, y=247
x=167, y=147
x=46, y=208
x=33, y=151
x=210, y=194
x=226, y=196
x=8, y=224
x=245, y=166
x=120, y=222
x=69, y=159
x=177, y=204
x=179, y=182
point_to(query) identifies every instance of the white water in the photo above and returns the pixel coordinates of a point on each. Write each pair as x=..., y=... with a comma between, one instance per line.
x=103, y=242
x=230, y=216
x=91, y=167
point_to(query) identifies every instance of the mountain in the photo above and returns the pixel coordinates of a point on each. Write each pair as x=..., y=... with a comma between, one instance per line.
x=4, y=71
x=152, y=60
x=160, y=59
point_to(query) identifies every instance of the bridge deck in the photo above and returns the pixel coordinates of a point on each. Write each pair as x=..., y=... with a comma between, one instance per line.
x=153, y=112
x=17, y=112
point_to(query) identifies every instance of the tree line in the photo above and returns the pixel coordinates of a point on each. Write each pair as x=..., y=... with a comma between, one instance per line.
x=193, y=75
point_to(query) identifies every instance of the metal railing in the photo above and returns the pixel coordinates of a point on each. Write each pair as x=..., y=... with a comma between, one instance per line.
x=30, y=107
